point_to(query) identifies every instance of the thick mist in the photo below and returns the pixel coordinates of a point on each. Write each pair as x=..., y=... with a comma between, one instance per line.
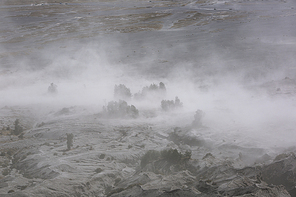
x=239, y=72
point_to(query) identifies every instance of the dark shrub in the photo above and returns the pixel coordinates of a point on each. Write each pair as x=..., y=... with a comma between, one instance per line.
x=168, y=105
x=102, y=156
x=162, y=86
x=120, y=109
x=199, y=114
x=17, y=128
x=178, y=103
x=133, y=112
x=52, y=89
x=98, y=170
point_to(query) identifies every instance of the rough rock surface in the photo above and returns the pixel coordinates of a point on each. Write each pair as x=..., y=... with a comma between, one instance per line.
x=106, y=161
x=224, y=51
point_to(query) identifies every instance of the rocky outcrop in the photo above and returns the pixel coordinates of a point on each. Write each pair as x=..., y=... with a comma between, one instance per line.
x=282, y=172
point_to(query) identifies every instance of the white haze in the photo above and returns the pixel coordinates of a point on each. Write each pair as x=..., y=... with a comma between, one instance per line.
x=235, y=110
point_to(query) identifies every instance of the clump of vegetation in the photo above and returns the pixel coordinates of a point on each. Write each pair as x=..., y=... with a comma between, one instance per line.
x=98, y=170
x=70, y=137
x=10, y=191
x=17, y=128
x=120, y=109
x=122, y=92
x=52, y=89
x=102, y=156
x=168, y=105
x=199, y=114
x=172, y=156
x=153, y=90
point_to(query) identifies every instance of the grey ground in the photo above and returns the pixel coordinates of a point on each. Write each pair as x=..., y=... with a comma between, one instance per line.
x=232, y=59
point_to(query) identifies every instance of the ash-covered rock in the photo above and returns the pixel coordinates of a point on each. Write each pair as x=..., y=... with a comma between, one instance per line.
x=159, y=178
x=182, y=136
x=125, y=158
x=282, y=172
x=30, y=166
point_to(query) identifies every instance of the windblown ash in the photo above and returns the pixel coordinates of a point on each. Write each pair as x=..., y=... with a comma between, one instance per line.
x=147, y=98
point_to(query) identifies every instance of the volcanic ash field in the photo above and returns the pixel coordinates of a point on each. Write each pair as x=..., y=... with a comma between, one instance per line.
x=147, y=98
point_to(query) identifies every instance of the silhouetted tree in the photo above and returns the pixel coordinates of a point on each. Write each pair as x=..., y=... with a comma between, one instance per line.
x=153, y=90
x=52, y=88
x=70, y=137
x=168, y=105
x=178, y=102
x=17, y=128
x=122, y=92
x=199, y=114
x=134, y=113
x=162, y=86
